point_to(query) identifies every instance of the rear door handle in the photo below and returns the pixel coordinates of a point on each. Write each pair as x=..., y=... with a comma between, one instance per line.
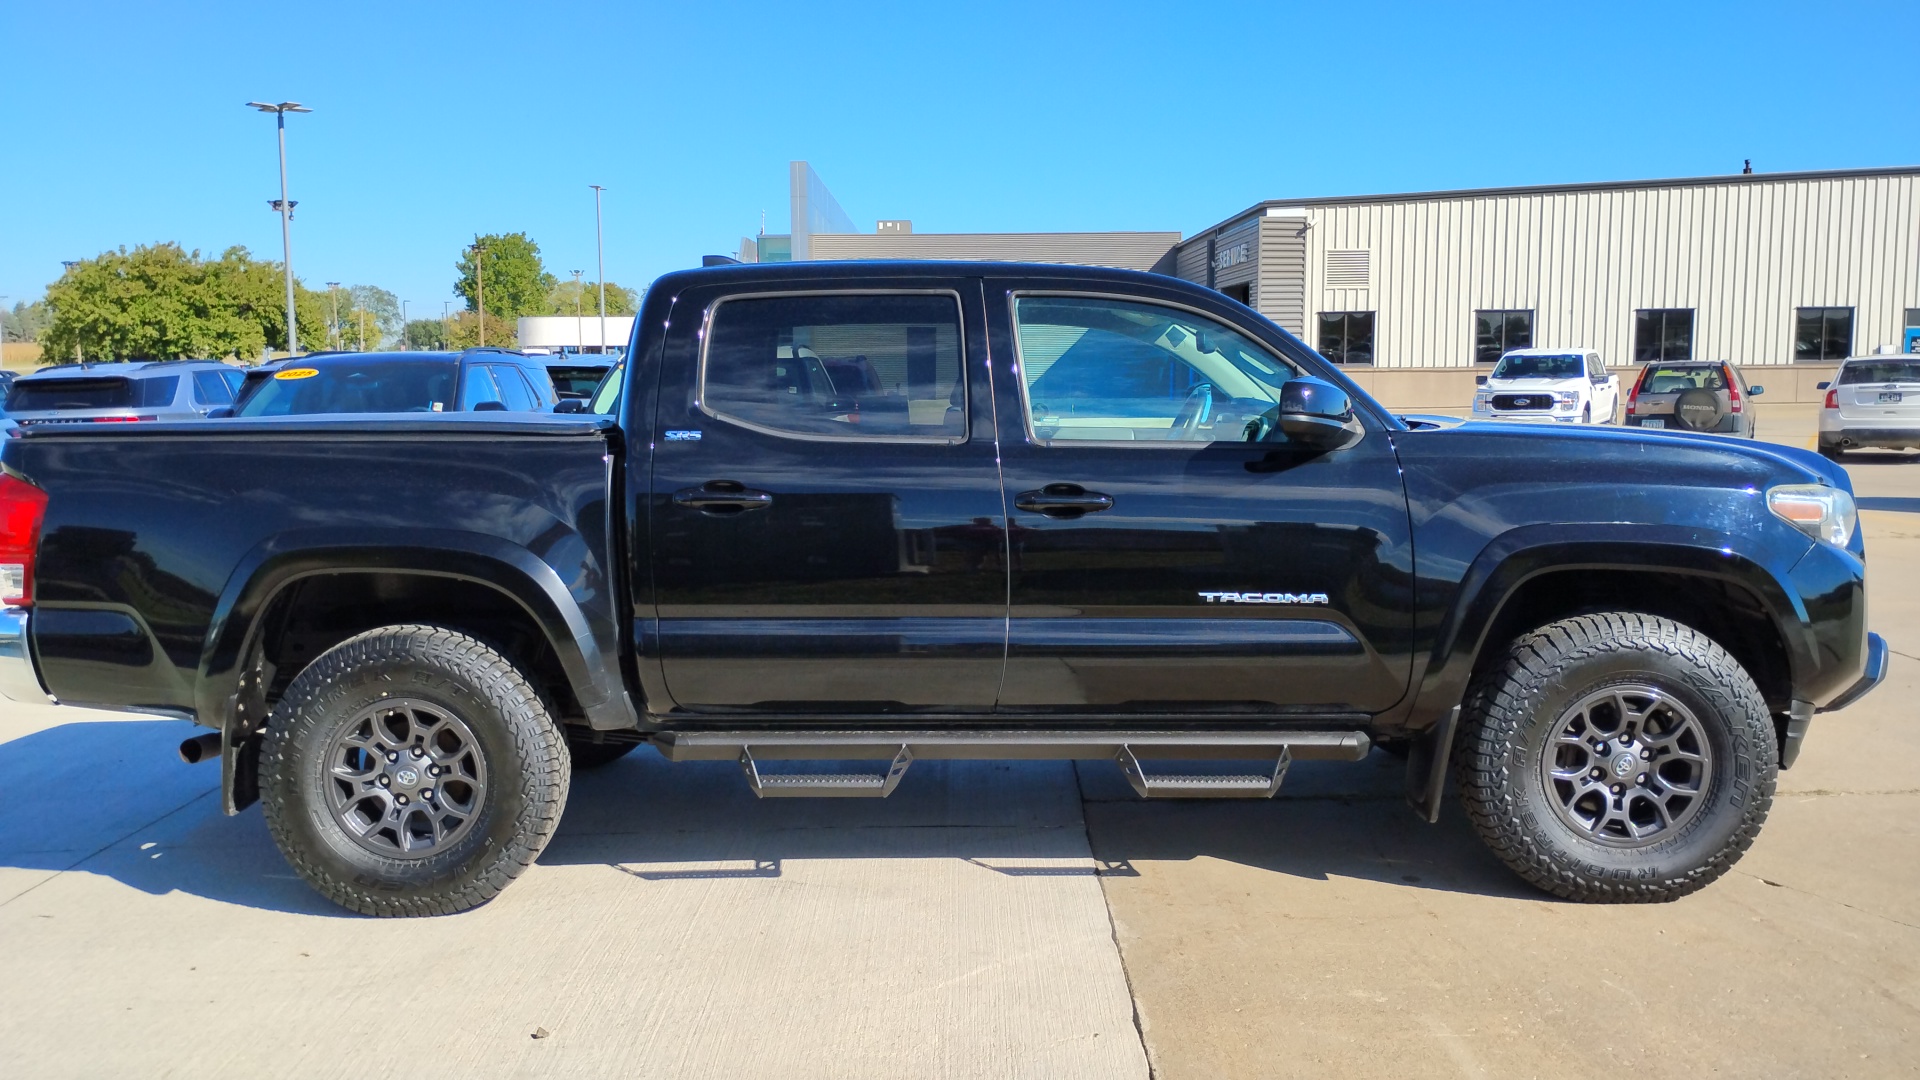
x=1063, y=501
x=723, y=497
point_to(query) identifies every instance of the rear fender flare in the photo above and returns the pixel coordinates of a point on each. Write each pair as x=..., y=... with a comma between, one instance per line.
x=507, y=568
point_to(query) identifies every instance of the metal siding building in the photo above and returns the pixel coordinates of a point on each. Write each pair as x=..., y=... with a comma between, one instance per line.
x=1130, y=250
x=1742, y=253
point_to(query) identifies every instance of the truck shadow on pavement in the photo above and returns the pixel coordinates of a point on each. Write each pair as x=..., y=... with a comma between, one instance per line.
x=112, y=799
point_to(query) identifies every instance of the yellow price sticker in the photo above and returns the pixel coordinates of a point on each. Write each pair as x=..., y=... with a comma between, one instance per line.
x=297, y=373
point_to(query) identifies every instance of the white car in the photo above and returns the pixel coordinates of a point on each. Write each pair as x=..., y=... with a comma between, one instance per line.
x=1872, y=402
x=1569, y=386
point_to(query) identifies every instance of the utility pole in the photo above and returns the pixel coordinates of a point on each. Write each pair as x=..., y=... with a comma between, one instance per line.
x=333, y=314
x=403, y=326
x=600, y=243
x=285, y=207
x=579, y=328
x=363, y=329
x=446, y=323
x=78, y=356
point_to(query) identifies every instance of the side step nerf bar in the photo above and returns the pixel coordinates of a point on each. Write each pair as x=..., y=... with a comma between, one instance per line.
x=901, y=748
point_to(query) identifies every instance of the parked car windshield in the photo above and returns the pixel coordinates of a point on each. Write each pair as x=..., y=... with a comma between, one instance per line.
x=1541, y=367
x=373, y=386
x=1904, y=371
x=575, y=380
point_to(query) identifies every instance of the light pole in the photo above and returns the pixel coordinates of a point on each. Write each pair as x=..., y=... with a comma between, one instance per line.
x=446, y=325
x=77, y=354
x=600, y=243
x=280, y=112
x=480, y=286
x=403, y=326
x=333, y=314
x=579, y=328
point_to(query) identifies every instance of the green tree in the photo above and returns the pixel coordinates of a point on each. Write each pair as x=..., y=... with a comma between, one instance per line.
x=464, y=331
x=560, y=299
x=382, y=308
x=517, y=282
x=27, y=321
x=426, y=334
x=163, y=302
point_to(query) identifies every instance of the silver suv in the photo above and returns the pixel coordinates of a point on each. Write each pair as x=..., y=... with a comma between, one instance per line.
x=119, y=392
x=1873, y=401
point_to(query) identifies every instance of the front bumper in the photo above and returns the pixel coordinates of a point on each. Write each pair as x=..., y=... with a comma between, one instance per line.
x=18, y=679
x=1876, y=672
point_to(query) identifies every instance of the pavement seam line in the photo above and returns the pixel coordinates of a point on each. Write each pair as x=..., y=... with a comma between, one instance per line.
x=109, y=845
x=1827, y=899
x=1113, y=930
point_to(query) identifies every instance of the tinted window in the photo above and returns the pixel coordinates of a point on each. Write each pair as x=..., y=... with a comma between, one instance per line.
x=1881, y=371
x=350, y=387
x=209, y=388
x=1496, y=333
x=1346, y=337
x=1540, y=367
x=1822, y=333
x=1662, y=335
x=514, y=390
x=479, y=387
x=846, y=366
x=575, y=381
x=34, y=395
x=1122, y=371
x=234, y=380
x=157, y=392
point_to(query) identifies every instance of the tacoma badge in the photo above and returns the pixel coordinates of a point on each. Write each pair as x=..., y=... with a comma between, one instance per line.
x=1265, y=598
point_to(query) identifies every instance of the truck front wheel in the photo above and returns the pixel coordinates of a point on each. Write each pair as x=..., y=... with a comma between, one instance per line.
x=412, y=770
x=1617, y=757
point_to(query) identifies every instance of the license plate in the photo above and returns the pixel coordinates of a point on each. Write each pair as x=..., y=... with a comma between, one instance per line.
x=1653, y=421
x=1889, y=397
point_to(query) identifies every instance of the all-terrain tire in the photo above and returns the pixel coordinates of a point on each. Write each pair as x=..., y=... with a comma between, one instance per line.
x=589, y=754
x=1517, y=708
x=520, y=749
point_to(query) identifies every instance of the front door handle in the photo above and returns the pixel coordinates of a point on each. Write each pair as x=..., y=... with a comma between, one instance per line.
x=721, y=497
x=1063, y=501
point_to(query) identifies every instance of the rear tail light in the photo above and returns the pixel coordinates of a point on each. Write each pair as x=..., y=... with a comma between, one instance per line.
x=119, y=419
x=1733, y=390
x=22, y=508
x=1633, y=396
x=1833, y=398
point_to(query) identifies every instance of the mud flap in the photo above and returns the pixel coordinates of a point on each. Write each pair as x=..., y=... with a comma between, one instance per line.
x=1427, y=762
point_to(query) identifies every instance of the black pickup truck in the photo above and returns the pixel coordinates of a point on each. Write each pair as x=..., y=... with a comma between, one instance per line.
x=874, y=513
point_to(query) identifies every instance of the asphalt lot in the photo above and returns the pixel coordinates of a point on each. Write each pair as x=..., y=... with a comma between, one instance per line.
x=988, y=920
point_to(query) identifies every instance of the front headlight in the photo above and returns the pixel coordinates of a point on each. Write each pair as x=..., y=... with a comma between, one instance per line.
x=1482, y=401
x=1565, y=399
x=1822, y=512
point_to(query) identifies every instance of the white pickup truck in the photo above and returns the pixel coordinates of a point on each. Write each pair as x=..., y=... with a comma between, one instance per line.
x=1548, y=385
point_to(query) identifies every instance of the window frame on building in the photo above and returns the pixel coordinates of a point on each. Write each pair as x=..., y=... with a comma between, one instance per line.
x=1662, y=353
x=1339, y=355
x=1506, y=346
x=1826, y=315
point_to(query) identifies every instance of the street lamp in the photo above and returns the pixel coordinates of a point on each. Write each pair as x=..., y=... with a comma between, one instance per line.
x=480, y=286
x=446, y=323
x=579, y=328
x=600, y=242
x=403, y=326
x=333, y=316
x=77, y=354
x=285, y=207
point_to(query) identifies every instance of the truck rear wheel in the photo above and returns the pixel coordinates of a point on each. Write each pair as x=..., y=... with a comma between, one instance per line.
x=1617, y=757
x=412, y=771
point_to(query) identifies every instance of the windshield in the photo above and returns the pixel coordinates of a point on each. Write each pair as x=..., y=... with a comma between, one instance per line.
x=1902, y=371
x=1541, y=367
x=575, y=380
x=373, y=386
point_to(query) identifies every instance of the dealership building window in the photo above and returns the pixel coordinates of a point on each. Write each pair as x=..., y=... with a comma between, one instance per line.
x=1662, y=335
x=1346, y=337
x=1822, y=333
x=1496, y=333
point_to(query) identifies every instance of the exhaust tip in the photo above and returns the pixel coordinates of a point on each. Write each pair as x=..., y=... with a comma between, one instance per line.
x=200, y=748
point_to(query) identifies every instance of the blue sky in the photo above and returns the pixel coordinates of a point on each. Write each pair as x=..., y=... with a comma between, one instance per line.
x=123, y=124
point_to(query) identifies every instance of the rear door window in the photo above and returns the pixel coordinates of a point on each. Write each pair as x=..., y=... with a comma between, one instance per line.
x=874, y=366
x=209, y=389
x=479, y=387
x=514, y=391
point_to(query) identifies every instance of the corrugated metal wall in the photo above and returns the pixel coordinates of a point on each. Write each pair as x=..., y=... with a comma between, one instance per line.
x=1743, y=254
x=1282, y=289
x=1132, y=251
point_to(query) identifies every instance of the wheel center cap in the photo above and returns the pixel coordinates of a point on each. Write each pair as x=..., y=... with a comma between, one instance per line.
x=406, y=776
x=1624, y=764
